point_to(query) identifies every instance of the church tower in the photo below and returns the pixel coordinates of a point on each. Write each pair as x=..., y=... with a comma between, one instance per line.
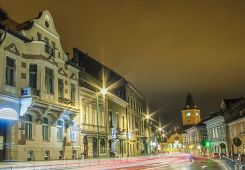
x=190, y=112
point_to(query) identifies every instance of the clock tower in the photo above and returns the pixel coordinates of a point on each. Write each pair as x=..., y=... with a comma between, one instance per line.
x=190, y=112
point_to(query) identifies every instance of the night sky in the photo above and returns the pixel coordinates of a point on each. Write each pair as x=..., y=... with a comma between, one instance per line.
x=165, y=48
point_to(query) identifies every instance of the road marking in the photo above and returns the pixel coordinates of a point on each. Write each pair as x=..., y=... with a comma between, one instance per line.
x=204, y=166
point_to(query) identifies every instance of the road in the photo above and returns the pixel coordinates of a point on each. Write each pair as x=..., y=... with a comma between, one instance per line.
x=157, y=162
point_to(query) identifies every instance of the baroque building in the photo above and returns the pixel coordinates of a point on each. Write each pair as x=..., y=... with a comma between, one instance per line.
x=38, y=94
x=51, y=106
x=123, y=132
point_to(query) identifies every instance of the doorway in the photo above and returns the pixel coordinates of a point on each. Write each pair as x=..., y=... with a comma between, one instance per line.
x=3, y=135
x=95, y=148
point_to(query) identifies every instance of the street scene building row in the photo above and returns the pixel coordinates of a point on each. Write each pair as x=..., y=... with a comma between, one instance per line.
x=54, y=106
x=220, y=133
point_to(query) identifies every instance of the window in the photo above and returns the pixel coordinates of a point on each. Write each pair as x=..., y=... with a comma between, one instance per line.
x=129, y=123
x=61, y=88
x=234, y=128
x=39, y=36
x=45, y=129
x=123, y=124
x=53, y=44
x=33, y=76
x=85, y=107
x=28, y=127
x=197, y=113
x=49, y=80
x=60, y=130
x=46, y=40
x=73, y=92
x=243, y=148
x=188, y=114
x=102, y=145
x=73, y=137
x=10, y=71
x=46, y=155
x=110, y=118
x=94, y=117
x=117, y=120
x=241, y=127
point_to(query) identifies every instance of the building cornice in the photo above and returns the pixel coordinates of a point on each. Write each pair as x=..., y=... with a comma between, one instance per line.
x=236, y=121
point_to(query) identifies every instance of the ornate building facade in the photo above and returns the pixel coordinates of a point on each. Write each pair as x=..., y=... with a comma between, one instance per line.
x=38, y=93
x=51, y=106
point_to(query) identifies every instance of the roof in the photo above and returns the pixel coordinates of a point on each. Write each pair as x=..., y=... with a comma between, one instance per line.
x=230, y=102
x=99, y=71
x=190, y=104
x=212, y=115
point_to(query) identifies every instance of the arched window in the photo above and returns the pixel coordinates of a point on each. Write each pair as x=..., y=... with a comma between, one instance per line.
x=45, y=129
x=60, y=130
x=28, y=127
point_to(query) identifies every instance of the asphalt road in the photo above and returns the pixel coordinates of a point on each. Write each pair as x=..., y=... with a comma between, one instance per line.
x=204, y=164
x=157, y=162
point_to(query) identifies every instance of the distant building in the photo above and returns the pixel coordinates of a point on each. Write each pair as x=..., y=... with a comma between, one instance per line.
x=194, y=137
x=216, y=130
x=234, y=112
x=190, y=112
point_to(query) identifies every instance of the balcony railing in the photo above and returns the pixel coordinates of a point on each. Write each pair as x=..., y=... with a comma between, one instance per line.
x=66, y=101
x=90, y=127
x=30, y=92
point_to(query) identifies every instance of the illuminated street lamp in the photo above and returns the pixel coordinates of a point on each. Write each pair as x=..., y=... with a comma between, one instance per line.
x=149, y=128
x=103, y=91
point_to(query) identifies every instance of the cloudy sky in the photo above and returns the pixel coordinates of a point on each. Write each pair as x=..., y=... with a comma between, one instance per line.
x=166, y=48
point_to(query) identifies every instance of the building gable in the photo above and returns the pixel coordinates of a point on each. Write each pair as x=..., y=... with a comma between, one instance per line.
x=13, y=49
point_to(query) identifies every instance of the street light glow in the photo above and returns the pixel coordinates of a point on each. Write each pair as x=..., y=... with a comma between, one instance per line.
x=103, y=91
x=147, y=117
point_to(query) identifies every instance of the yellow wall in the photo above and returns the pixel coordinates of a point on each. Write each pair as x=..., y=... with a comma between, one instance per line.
x=191, y=116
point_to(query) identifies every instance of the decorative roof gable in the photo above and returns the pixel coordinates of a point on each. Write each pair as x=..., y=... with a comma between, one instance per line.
x=13, y=49
x=62, y=72
x=74, y=76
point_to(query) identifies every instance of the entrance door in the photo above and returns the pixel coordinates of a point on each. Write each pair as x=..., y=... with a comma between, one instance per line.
x=94, y=148
x=3, y=131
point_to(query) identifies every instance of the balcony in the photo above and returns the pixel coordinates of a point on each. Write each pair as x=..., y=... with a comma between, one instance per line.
x=66, y=101
x=27, y=92
x=93, y=128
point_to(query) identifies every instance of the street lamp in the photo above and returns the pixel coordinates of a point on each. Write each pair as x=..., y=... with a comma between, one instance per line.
x=103, y=91
x=149, y=128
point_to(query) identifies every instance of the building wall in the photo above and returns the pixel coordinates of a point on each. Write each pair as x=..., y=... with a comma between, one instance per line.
x=216, y=130
x=191, y=116
x=80, y=134
x=236, y=129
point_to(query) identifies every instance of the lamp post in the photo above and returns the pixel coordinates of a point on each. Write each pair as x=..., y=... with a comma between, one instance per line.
x=103, y=91
x=149, y=128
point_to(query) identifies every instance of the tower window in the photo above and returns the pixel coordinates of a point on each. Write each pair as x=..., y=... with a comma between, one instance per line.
x=188, y=114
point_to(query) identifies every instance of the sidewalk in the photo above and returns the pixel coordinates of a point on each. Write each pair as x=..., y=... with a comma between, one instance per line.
x=222, y=164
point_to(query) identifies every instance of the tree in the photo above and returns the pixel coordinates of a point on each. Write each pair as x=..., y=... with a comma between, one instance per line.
x=222, y=146
x=3, y=17
x=237, y=142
